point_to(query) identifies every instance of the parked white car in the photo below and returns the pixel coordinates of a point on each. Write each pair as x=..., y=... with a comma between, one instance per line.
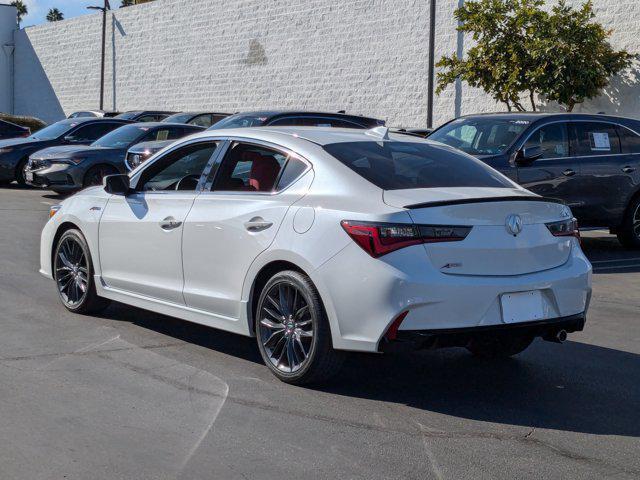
x=320, y=240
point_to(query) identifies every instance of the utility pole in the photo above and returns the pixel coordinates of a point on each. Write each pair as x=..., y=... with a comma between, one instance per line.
x=104, y=9
x=431, y=79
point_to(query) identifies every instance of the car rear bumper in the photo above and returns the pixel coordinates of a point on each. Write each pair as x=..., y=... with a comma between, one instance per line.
x=364, y=296
x=460, y=337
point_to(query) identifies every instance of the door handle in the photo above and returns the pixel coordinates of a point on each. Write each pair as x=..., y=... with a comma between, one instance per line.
x=257, y=224
x=170, y=223
x=569, y=173
x=628, y=169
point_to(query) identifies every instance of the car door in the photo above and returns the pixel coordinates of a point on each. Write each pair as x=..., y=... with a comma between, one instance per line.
x=604, y=184
x=555, y=173
x=236, y=220
x=141, y=233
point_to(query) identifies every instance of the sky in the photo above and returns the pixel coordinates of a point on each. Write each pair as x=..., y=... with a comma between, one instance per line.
x=70, y=8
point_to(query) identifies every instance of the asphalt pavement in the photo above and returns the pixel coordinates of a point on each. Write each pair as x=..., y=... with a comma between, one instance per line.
x=135, y=395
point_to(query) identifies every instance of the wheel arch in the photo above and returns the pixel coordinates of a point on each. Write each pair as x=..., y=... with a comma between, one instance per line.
x=62, y=228
x=259, y=281
x=95, y=167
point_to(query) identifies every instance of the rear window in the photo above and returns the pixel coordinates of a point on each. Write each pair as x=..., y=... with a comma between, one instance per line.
x=404, y=165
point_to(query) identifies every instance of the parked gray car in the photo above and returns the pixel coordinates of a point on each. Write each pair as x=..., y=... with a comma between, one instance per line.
x=71, y=168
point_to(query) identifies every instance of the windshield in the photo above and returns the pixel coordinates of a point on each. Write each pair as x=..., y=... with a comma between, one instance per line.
x=54, y=131
x=128, y=115
x=406, y=165
x=121, y=137
x=480, y=136
x=239, y=121
x=178, y=118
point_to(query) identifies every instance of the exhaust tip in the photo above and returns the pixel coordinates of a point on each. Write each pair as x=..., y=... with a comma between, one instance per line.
x=561, y=336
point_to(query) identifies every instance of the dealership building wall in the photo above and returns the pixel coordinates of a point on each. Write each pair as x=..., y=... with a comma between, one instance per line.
x=363, y=56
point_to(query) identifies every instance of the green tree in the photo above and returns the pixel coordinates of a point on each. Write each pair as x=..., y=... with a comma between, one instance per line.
x=55, y=15
x=520, y=49
x=577, y=57
x=22, y=10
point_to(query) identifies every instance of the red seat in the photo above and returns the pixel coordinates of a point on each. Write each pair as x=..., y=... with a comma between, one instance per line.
x=264, y=173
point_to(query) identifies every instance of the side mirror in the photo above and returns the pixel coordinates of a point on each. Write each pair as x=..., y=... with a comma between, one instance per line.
x=72, y=139
x=529, y=154
x=116, y=184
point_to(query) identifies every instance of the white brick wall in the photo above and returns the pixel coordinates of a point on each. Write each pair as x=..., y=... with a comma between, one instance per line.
x=365, y=56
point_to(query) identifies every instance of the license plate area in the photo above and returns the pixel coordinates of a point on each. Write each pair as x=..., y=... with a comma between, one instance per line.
x=522, y=306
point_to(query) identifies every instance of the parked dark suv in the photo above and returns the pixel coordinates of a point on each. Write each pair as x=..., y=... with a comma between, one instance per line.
x=592, y=162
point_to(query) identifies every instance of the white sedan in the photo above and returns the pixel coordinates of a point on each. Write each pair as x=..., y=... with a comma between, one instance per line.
x=317, y=241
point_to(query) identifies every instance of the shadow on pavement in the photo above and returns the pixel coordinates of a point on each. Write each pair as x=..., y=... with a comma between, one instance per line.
x=573, y=387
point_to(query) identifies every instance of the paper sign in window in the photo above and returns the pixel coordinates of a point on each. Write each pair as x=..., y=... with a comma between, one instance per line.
x=600, y=141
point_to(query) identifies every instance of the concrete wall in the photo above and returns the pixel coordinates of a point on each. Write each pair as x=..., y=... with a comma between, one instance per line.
x=7, y=27
x=365, y=56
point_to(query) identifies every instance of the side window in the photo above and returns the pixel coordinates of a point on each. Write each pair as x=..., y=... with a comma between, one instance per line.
x=164, y=134
x=292, y=170
x=596, y=139
x=249, y=168
x=630, y=141
x=90, y=133
x=149, y=118
x=202, y=121
x=553, y=139
x=178, y=170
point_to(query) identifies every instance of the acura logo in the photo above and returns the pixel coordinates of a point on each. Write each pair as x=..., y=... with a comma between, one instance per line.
x=514, y=224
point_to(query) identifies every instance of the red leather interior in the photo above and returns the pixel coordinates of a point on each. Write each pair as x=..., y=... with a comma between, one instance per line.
x=264, y=173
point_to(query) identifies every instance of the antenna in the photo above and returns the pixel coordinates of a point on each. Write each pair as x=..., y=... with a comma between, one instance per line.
x=380, y=132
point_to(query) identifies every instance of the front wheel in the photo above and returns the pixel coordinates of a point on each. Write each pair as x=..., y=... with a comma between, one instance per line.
x=21, y=173
x=73, y=273
x=629, y=234
x=293, y=332
x=96, y=174
x=501, y=346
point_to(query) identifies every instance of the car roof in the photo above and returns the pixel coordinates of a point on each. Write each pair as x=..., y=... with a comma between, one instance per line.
x=276, y=113
x=534, y=116
x=79, y=120
x=318, y=135
x=166, y=124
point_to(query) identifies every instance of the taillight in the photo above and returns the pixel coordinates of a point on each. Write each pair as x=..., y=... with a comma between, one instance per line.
x=378, y=239
x=564, y=228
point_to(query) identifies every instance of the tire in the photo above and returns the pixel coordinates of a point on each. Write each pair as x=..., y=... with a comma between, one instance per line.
x=72, y=268
x=95, y=175
x=22, y=181
x=293, y=332
x=629, y=233
x=501, y=346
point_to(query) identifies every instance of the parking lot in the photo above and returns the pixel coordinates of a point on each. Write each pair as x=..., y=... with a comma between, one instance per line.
x=131, y=394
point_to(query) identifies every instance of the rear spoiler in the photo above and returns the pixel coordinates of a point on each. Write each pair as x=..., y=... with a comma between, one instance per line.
x=462, y=201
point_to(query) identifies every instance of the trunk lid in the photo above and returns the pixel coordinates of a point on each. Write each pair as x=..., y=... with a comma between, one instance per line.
x=491, y=248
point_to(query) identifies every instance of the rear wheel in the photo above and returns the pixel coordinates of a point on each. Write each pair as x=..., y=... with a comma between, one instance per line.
x=629, y=234
x=500, y=346
x=293, y=331
x=95, y=175
x=73, y=273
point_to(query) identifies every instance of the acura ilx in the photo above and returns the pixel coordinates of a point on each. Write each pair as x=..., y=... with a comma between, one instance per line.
x=318, y=241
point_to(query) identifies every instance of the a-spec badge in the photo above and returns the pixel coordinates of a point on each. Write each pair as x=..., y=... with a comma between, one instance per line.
x=514, y=224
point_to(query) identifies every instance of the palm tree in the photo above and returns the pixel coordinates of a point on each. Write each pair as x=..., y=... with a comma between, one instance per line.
x=22, y=10
x=55, y=15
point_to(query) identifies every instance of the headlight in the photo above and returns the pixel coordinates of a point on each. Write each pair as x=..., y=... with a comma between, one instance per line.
x=6, y=150
x=69, y=161
x=54, y=209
